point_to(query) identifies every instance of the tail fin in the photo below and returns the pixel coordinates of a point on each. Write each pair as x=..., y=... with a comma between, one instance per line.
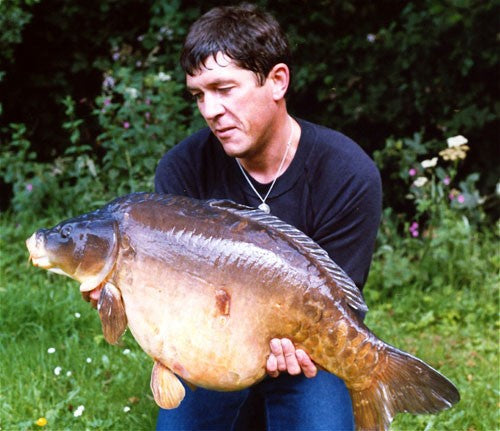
x=405, y=384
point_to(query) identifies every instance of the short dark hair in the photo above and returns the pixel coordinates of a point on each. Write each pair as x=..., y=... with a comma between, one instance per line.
x=249, y=36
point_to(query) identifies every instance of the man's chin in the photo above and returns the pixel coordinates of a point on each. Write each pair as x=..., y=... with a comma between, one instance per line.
x=233, y=149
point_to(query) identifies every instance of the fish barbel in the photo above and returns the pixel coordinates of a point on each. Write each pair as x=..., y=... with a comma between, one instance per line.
x=204, y=286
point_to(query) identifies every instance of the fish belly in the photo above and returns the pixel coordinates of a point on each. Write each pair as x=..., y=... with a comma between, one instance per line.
x=214, y=336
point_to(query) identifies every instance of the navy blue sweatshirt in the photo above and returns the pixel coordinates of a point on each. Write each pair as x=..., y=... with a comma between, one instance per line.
x=331, y=191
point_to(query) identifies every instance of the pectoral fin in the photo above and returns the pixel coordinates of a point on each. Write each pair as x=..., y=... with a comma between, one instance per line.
x=167, y=389
x=112, y=313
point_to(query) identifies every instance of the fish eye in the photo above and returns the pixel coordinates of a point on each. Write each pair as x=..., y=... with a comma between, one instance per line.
x=66, y=231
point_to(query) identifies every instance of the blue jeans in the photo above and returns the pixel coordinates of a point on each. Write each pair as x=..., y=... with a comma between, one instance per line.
x=287, y=403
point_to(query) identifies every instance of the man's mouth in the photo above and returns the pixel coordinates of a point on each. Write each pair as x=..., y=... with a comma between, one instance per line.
x=224, y=132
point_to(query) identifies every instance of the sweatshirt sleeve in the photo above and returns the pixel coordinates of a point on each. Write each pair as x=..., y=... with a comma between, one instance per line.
x=179, y=170
x=348, y=211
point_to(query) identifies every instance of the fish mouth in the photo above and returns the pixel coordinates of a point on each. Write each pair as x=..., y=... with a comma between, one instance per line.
x=40, y=261
x=39, y=257
x=37, y=252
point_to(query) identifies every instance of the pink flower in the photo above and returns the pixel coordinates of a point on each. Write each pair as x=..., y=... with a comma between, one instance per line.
x=147, y=115
x=107, y=102
x=126, y=125
x=412, y=172
x=461, y=199
x=414, y=229
x=29, y=187
x=446, y=181
x=147, y=101
x=451, y=196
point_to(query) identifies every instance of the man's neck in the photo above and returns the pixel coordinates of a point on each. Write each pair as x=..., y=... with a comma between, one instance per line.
x=279, y=152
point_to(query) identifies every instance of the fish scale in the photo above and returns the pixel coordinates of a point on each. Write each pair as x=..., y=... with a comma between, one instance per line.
x=204, y=285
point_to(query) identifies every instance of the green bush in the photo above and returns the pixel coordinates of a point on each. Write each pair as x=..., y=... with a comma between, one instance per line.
x=369, y=70
x=13, y=18
x=141, y=112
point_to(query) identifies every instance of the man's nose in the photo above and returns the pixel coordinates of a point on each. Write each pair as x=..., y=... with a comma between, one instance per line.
x=211, y=107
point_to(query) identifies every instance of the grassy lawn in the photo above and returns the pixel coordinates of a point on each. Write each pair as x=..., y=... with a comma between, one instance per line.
x=465, y=351
x=453, y=328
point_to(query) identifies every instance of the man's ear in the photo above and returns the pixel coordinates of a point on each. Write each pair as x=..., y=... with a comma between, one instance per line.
x=279, y=77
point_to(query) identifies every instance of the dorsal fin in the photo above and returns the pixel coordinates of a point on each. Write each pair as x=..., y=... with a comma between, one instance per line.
x=347, y=287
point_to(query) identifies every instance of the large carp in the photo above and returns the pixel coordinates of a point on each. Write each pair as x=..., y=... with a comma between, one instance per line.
x=203, y=287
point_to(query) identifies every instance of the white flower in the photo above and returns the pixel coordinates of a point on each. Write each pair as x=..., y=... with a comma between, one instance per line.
x=126, y=409
x=420, y=181
x=132, y=92
x=126, y=351
x=57, y=370
x=163, y=77
x=77, y=315
x=456, y=141
x=89, y=360
x=68, y=374
x=166, y=31
x=78, y=412
x=51, y=350
x=109, y=82
x=429, y=163
x=371, y=37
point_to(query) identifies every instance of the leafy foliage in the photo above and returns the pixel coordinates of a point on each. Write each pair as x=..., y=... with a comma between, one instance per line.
x=141, y=112
x=12, y=21
x=370, y=70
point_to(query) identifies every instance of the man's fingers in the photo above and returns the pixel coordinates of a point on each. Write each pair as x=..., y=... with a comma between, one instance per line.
x=306, y=364
x=272, y=366
x=292, y=365
x=284, y=357
x=277, y=351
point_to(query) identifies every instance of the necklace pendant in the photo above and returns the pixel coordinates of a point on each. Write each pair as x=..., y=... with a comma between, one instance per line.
x=265, y=207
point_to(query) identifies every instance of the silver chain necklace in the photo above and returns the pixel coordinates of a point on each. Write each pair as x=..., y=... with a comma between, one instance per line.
x=263, y=206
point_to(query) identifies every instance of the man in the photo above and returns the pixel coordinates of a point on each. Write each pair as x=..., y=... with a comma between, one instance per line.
x=253, y=152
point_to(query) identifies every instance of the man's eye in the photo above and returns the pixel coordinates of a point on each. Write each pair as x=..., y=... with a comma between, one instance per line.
x=225, y=89
x=197, y=96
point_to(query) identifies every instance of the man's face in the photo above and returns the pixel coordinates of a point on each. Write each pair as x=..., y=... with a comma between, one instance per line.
x=237, y=109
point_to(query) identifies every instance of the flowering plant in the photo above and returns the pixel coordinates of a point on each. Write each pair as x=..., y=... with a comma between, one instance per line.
x=431, y=182
x=434, y=188
x=423, y=241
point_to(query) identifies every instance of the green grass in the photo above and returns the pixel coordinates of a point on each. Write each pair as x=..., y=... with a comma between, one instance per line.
x=464, y=349
x=452, y=327
x=38, y=312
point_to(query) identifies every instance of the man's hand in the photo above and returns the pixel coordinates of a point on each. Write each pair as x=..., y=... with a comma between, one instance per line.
x=284, y=357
